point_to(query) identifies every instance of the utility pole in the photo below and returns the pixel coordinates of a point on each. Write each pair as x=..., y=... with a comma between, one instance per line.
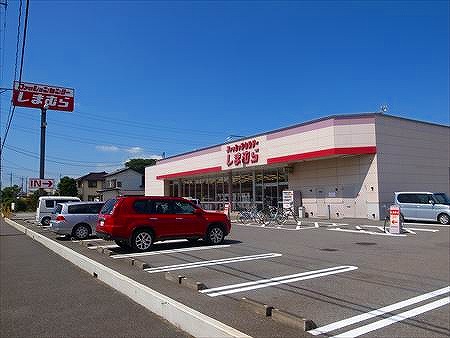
x=10, y=179
x=43, y=127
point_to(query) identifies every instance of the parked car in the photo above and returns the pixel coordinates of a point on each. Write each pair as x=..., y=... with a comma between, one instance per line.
x=423, y=206
x=47, y=204
x=139, y=221
x=76, y=219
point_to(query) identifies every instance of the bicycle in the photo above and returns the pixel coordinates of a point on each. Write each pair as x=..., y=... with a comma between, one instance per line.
x=249, y=215
x=286, y=214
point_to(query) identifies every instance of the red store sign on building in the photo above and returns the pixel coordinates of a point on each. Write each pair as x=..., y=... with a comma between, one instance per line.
x=243, y=153
x=34, y=95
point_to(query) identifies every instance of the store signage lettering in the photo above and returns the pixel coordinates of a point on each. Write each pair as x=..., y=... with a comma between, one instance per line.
x=34, y=95
x=243, y=153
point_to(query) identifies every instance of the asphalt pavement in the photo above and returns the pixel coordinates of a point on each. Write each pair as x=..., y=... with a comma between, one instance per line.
x=43, y=295
x=348, y=276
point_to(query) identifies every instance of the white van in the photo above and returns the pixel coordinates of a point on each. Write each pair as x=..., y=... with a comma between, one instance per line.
x=47, y=204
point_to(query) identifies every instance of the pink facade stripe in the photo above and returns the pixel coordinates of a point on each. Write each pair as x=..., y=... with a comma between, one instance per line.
x=190, y=173
x=190, y=155
x=323, y=153
x=320, y=125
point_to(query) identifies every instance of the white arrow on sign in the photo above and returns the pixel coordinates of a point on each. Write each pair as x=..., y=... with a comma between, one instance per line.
x=37, y=183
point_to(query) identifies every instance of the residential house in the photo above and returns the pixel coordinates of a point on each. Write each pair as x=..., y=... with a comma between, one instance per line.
x=89, y=184
x=124, y=181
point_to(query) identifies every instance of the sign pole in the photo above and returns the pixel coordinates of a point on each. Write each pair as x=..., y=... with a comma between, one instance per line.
x=43, y=127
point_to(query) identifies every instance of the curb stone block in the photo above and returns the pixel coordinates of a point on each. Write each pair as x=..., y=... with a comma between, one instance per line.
x=173, y=278
x=192, y=284
x=260, y=308
x=293, y=321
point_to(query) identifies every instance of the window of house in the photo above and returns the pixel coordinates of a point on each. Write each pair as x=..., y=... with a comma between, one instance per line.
x=92, y=184
x=119, y=184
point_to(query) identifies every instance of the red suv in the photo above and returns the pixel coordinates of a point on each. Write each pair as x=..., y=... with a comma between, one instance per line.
x=139, y=221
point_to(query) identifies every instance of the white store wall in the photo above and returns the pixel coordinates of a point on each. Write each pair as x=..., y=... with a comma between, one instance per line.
x=413, y=156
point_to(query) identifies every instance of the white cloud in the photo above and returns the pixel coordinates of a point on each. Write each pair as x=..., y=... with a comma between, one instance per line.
x=107, y=149
x=134, y=150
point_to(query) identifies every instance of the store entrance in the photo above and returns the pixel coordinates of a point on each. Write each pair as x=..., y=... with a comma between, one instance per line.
x=271, y=194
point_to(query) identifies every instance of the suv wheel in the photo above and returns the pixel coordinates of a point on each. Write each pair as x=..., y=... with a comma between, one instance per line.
x=215, y=235
x=444, y=219
x=142, y=240
x=81, y=231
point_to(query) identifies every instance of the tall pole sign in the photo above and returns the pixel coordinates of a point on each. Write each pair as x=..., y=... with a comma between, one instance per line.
x=44, y=97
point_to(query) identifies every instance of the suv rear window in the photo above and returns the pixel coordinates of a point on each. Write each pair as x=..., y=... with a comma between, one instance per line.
x=108, y=206
x=90, y=208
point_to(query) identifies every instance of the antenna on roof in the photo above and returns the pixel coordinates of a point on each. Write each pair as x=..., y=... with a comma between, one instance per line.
x=383, y=108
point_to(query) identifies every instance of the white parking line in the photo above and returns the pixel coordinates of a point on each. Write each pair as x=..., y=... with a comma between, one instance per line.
x=212, y=262
x=378, y=312
x=88, y=240
x=161, y=252
x=419, y=229
x=367, y=232
x=393, y=319
x=428, y=224
x=107, y=246
x=264, y=283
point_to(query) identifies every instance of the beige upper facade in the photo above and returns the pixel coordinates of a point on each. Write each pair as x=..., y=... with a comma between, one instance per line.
x=343, y=166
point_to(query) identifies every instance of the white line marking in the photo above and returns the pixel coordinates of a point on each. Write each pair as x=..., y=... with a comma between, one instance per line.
x=429, y=224
x=278, y=227
x=419, y=229
x=212, y=262
x=108, y=246
x=378, y=312
x=228, y=289
x=393, y=319
x=162, y=252
x=358, y=227
x=410, y=231
x=316, y=224
x=367, y=232
x=87, y=240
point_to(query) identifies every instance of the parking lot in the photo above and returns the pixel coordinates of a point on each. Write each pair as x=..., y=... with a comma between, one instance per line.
x=348, y=277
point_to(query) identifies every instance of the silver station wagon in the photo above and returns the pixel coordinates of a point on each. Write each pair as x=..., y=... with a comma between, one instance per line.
x=424, y=206
x=75, y=219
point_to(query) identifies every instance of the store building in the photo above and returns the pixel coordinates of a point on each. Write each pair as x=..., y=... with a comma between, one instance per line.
x=338, y=166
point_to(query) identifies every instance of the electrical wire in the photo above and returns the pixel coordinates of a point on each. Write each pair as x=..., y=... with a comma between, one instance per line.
x=21, y=67
x=60, y=160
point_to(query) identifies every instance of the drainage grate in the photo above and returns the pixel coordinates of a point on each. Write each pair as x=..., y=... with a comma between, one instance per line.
x=328, y=249
x=366, y=243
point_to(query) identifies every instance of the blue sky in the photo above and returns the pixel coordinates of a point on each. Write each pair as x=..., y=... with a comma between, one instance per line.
x=154, y=77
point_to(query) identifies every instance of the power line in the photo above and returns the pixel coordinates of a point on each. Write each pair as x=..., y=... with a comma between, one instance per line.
x=21, y=64
x=36, y=156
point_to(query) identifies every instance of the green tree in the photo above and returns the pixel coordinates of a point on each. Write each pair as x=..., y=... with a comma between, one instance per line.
x=139, y=164
x=67, y=187
x=9, y=195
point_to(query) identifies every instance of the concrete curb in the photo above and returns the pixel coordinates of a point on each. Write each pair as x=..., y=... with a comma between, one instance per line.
x=277, y=315
x=180, y=315
x=185, y=281
x=293, y=321
x=260, y=308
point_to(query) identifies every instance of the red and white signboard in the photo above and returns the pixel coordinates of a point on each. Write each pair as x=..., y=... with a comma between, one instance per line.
x=33, y=95
x=242, y=153
x=395, y=221
x=40, y=183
